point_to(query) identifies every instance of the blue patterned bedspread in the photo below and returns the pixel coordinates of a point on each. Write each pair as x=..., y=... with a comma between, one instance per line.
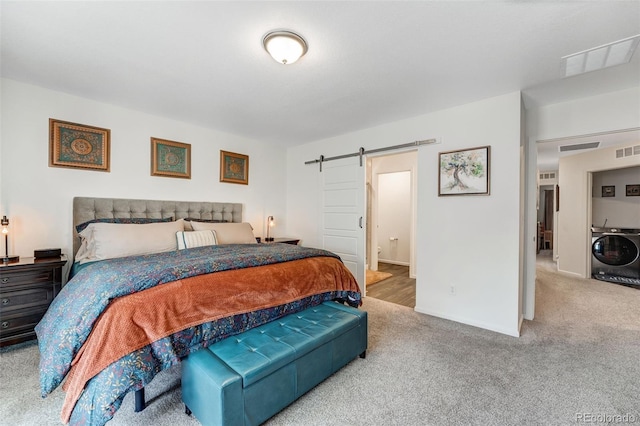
x=70, y=318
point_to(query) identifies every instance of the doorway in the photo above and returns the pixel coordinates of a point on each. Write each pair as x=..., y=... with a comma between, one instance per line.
x=618, y=143
x=545, y=217
x=391, y=221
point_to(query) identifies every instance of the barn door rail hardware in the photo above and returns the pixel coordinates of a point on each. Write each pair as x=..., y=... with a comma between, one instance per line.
x=361, y=152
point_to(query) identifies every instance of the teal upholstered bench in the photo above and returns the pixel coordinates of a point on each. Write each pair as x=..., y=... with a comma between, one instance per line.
x=247, y=378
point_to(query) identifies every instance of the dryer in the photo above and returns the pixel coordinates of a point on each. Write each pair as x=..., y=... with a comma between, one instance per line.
x=616, y=255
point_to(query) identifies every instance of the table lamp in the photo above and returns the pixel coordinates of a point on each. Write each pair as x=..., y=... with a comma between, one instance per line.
x=5, y=231
x=270, y=223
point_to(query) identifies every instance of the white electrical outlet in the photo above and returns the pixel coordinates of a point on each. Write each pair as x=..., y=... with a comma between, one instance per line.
x=452, y=289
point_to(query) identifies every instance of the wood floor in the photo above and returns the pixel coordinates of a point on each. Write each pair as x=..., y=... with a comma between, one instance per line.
x=399, y=288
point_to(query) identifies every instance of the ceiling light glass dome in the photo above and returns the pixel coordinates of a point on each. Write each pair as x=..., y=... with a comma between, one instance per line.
x=285, y=47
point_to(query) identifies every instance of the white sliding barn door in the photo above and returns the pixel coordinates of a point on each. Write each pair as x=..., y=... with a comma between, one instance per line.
x=342, y=215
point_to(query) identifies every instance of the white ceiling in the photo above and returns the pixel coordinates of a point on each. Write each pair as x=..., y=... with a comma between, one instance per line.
x=368, y=62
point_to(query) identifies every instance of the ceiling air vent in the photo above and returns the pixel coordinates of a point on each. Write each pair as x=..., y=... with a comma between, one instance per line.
x=577, y=147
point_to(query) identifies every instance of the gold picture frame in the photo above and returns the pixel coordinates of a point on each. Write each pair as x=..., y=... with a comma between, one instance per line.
x=79, y=146
x=170, y=158
x=234, y=167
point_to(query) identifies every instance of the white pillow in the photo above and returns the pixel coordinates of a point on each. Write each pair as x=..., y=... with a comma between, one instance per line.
x=87, y=248
x=110, y=240
x=228, y=233
x=196, y=239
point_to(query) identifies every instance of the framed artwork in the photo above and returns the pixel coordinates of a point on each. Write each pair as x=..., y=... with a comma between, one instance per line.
x=78, y=146
x=234, y=168
x=464, y=172
x=170, y=158
x=633, y=190
x=608, y=190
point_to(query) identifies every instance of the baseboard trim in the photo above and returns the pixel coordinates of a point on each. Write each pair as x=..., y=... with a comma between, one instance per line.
x=394, y=262
x=467, y=321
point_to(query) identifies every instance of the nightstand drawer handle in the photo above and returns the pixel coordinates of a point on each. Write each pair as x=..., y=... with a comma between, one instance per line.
x=5, y=301
x=5, y=280
x=5, y=324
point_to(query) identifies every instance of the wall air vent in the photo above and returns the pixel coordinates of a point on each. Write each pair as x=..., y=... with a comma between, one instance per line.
x=547, y=175
x=628, y=151
x=577, y=147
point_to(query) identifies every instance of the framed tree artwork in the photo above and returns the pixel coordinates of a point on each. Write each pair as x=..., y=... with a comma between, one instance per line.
x=464, y=171
x=78, y=146
x=170, y=158
x=234, y=168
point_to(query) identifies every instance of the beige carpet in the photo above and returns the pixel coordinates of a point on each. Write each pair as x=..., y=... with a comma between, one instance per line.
x=582, y=309
x=376, y=276
x=576, y=363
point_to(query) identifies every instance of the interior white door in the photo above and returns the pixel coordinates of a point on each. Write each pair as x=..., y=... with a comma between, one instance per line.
x=342, y=215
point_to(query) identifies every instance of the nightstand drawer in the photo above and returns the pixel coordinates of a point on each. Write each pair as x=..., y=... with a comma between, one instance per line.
x=11, y=279
x=27, y=288
x=27, y=298
x=19, y=322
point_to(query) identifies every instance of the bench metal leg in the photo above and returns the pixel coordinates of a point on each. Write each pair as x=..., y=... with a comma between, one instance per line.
x=140, y=404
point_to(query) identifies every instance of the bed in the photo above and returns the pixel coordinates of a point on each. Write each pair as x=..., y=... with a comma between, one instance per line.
x=136, y=305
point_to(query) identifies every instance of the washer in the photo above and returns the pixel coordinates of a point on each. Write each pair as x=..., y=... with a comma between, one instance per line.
x=616, y=255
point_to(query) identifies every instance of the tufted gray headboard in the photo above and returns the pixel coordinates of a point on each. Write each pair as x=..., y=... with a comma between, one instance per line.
x=88, y=208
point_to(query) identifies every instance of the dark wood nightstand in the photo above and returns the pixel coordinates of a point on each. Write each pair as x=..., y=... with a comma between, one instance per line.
x=27, y=288
x=293, y=241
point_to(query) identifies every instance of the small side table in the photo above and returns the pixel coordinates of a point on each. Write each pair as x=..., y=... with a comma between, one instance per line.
x=284, y=240
x=27, y=288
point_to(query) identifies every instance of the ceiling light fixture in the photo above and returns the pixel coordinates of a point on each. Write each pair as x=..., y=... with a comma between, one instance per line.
x=608, y=55
x=284, y=46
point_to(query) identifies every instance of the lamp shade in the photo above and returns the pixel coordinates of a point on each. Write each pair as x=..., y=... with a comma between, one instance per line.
x=285, y=47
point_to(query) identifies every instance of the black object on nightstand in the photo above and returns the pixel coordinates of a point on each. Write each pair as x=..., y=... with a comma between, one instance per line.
x=284, y=240
x=27, y=288
x=47, y=253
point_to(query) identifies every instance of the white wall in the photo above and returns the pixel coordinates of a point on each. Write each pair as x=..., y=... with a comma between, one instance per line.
x=573, y=237
x=604, y=113
x=38, y=198
x=394, y=217
x=468, y=242
x=619, y=211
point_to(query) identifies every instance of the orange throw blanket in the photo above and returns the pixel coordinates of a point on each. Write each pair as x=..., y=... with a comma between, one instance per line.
x=134, y=321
